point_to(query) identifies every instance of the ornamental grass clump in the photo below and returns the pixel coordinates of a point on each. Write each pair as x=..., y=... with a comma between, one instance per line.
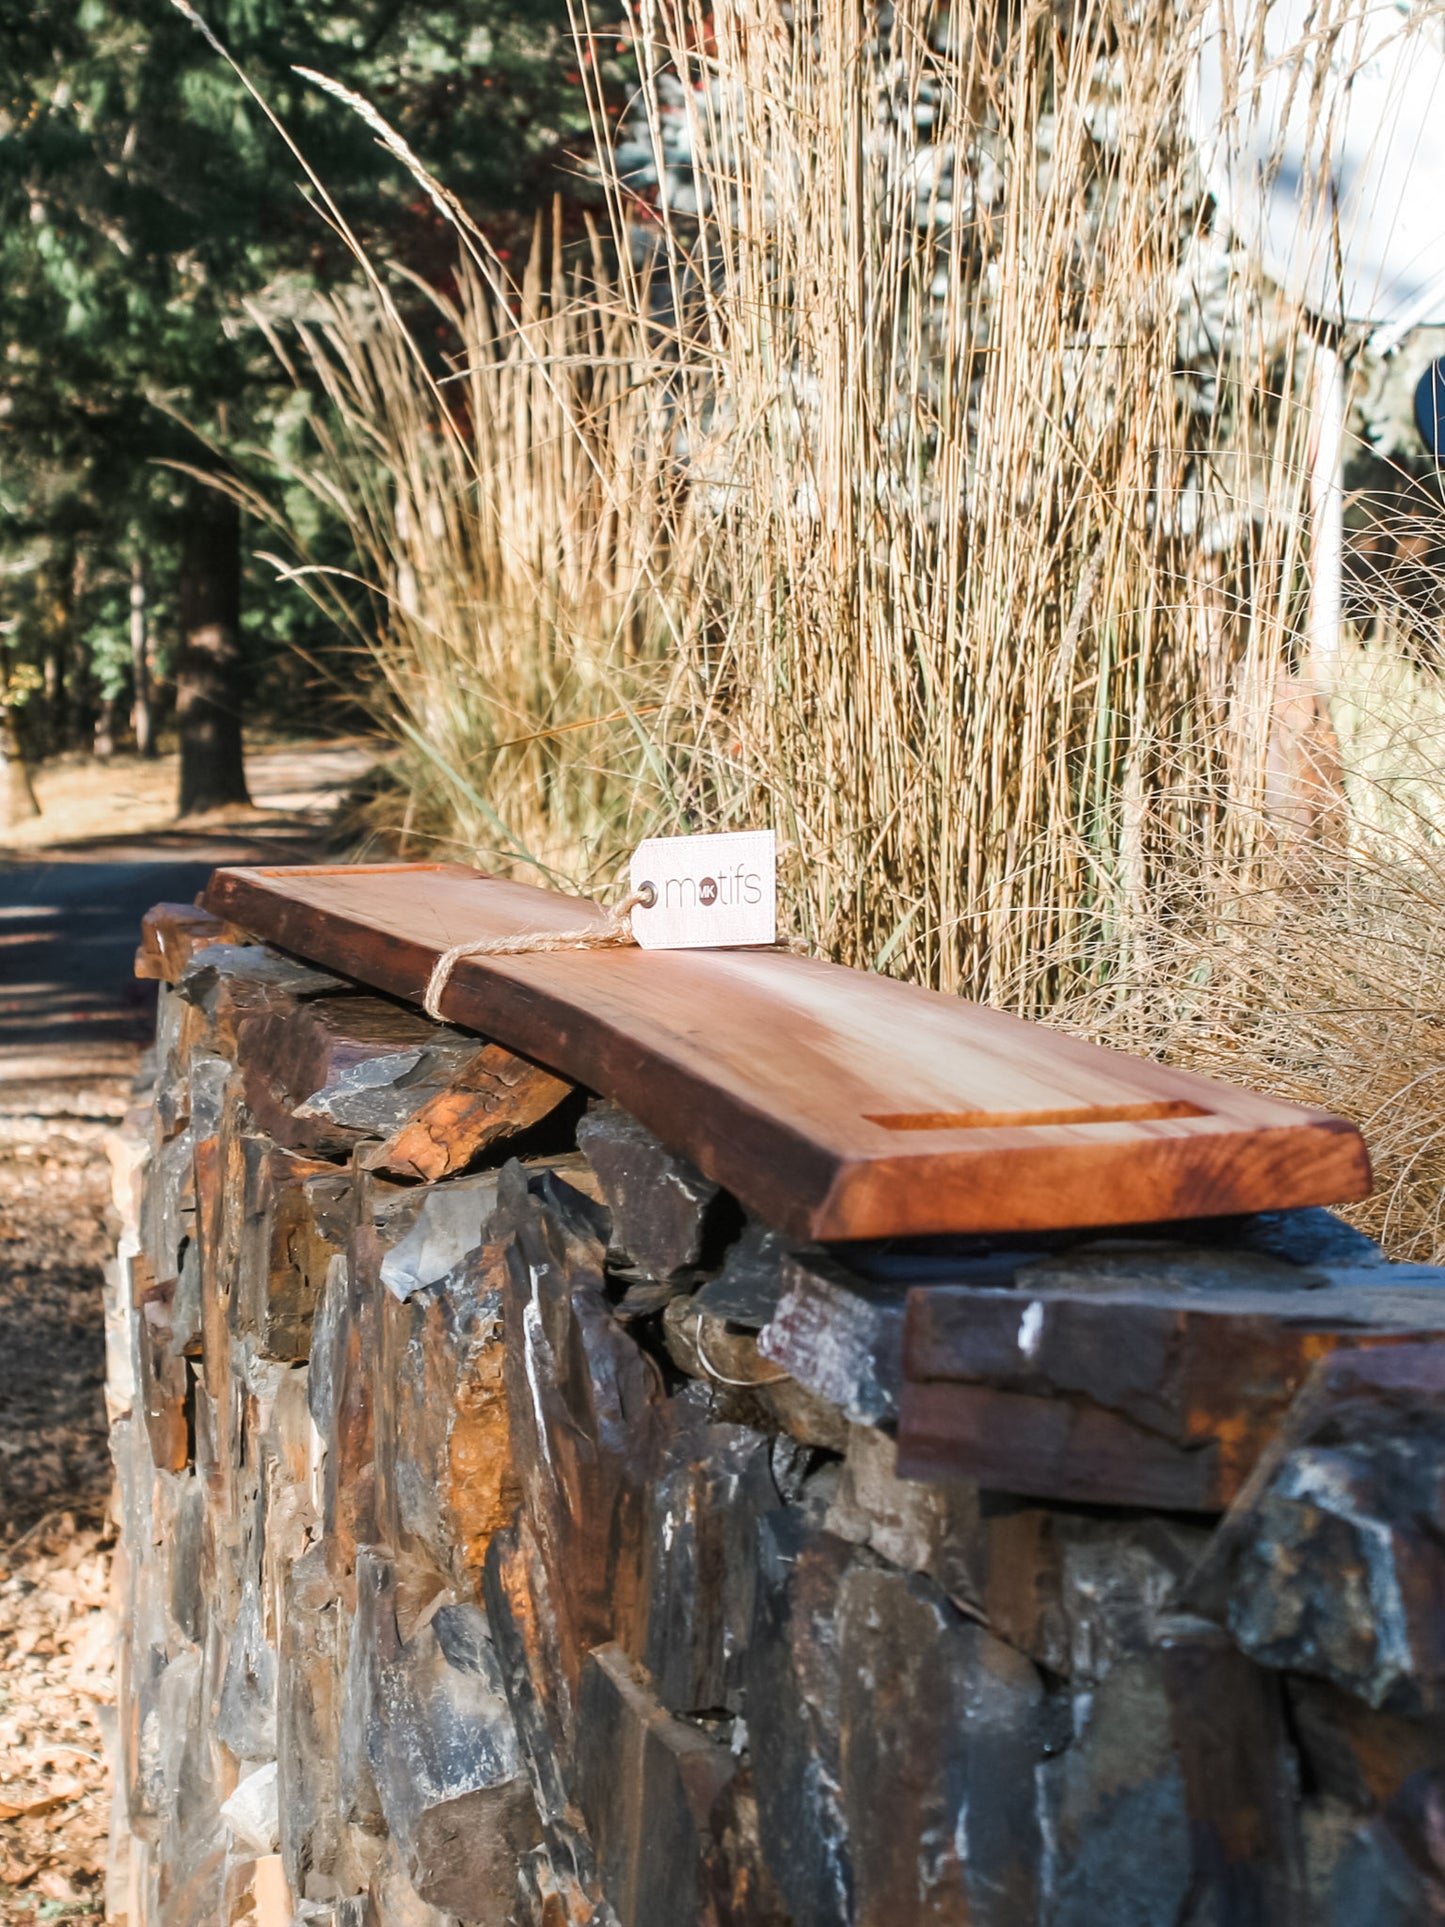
x=502, y=505
x=996, y=545
x=917, y=469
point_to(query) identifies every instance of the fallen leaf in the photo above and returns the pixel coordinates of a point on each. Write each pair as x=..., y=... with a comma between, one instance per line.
x=55, y=1886
x=42, y=1803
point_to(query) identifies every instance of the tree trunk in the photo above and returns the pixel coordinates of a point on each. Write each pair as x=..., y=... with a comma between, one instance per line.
x=64, y=681
x=82, y=706
x=208, y=669
x=142, y=720
x=106, y=719
x=17, y=795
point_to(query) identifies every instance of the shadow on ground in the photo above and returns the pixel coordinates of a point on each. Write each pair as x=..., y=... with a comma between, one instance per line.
x=69, y=921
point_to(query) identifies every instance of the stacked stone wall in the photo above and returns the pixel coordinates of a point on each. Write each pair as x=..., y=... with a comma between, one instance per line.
x=512, y=1533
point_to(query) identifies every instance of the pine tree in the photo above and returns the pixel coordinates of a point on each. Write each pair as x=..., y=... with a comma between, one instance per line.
x=145, y=200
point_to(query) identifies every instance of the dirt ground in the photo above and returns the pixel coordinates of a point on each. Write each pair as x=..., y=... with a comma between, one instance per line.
x=56, y=1629
x=72, y=1026
x=131, y=796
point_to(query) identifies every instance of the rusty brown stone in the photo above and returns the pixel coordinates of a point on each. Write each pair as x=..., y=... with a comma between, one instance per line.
x=446, y=1482
x=494, y=1097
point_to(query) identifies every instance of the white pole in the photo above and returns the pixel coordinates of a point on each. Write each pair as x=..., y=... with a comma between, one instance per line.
x=1327, y=518
x=1426, y=307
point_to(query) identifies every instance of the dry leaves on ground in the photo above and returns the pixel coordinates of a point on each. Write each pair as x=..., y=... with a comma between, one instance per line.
x=56, y=1629
x=56, y=1640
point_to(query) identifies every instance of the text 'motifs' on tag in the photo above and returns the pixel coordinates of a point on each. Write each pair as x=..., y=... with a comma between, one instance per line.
x=706, y=890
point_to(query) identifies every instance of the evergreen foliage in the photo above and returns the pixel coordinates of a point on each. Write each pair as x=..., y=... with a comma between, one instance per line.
x=145, y=204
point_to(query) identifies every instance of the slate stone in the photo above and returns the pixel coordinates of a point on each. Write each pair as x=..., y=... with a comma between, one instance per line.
x=942, y=1732
x=586, y=1412
x=1352, y=1753
x=1077, y=1593
x=749, y=1288
x=649, y=1786
x=429, y=1232
x=177, y=1030
x=1332, y=1560
x=525, y=1641
x=209, y=1078
x=1241, y=1780
x=293, y=1211
x=740, y=1891
x=192, y=1834
x=840, y=1337
x=246, y=1714
x=350, y=1326
x=198, y=1892
x=254, y=1892
x=226, y=983
x=309, y=1729
x=1326, y=1587
x=168, y=1205
x=378, y=1094
x=253, y=964
x=465, y=1639
x=372, y=1643
x=145, y=1755
x=395, y=1901
x=324, y=1073
x=1176, y=1801
x=250, y=1812
x=445, y=1756
x=662, y=1207
x=494, y=1096
x=552, y=1897
x=1155, y=1395
x=187, y=1601
x=1163, y=1264
x=1390, y=1871
x=793, y=1695
x=1064, y=1449
x=185, y=1305
x=324, y=1362
x=1115, y=1812
x=445, y=1480
x=934, y=1528
x=160, y=1376
x=711, y=1486
x=1308, y=1236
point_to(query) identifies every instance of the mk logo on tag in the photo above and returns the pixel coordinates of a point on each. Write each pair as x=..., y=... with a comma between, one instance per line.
x=706, y=890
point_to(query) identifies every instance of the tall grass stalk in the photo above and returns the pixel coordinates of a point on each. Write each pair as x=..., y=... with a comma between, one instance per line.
x=993, y=561
x=507, y=514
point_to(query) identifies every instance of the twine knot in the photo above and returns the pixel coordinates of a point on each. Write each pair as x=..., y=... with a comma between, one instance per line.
x=614, y=934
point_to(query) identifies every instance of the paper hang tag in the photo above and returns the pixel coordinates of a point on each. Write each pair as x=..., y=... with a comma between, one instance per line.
x=707, y=890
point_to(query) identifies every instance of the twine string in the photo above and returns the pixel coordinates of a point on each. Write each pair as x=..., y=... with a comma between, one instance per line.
x=614, y=934
x=748, y=1384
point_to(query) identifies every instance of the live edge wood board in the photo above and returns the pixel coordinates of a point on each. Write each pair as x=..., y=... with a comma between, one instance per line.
x=836, y=1104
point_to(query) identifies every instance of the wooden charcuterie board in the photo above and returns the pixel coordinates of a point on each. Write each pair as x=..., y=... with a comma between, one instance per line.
x=835, y=1103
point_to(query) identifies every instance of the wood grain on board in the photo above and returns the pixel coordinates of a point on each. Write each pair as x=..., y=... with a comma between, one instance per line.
x=835, y=1103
